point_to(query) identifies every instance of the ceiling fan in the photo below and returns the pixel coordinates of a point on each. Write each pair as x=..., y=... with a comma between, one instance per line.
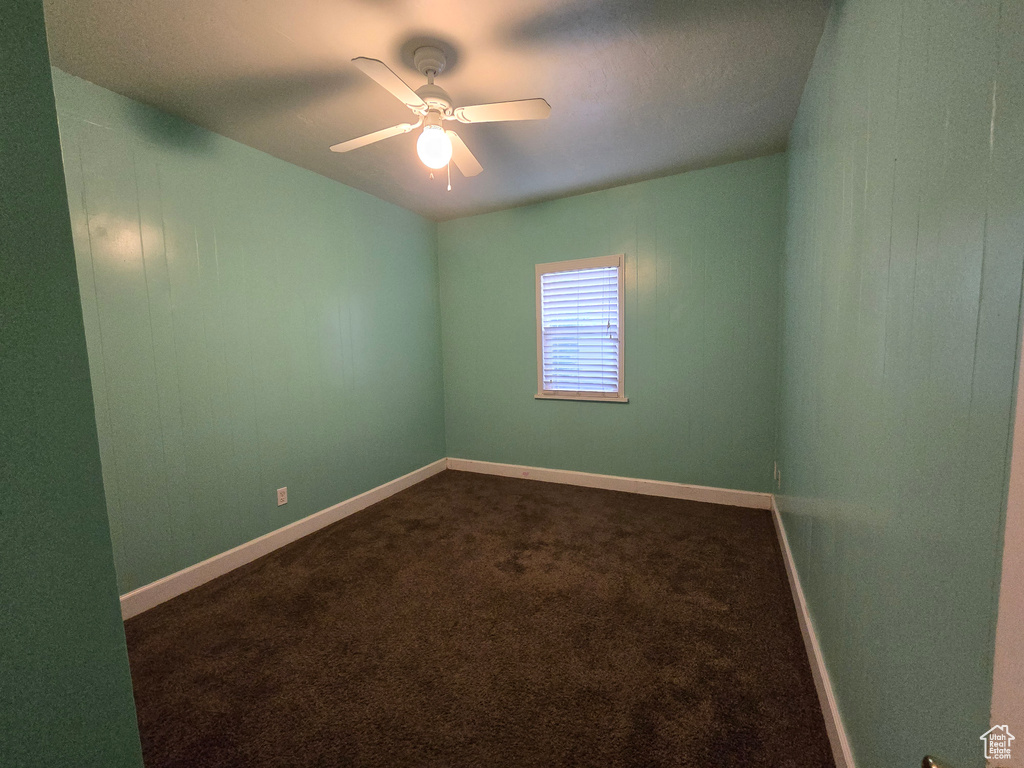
x=436, y=146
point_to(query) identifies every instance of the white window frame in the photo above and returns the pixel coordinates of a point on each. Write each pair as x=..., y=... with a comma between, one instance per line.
x=616, y=260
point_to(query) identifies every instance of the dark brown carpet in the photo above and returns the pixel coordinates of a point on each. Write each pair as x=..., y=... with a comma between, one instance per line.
x=483, y=621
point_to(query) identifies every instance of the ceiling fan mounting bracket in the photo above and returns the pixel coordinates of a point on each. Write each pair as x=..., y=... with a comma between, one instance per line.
x=430, y=61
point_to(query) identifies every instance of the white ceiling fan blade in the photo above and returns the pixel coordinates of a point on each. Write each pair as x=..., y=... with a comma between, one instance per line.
x=370, y=138
x=384, y=77
x=527, y=109
x=462, y=157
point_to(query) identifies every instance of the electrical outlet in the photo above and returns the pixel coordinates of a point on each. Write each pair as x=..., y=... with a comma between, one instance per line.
x=282, y=496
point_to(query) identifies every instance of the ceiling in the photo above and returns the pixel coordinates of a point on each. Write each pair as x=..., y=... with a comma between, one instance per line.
x=637, y=89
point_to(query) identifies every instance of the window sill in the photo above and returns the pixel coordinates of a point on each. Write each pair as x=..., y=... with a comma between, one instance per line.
x=587, y=398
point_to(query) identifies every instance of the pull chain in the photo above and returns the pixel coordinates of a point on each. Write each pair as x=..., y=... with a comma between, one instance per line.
x=449, y=177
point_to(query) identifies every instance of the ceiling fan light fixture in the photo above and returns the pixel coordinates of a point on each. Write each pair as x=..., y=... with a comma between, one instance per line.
x=434, y=147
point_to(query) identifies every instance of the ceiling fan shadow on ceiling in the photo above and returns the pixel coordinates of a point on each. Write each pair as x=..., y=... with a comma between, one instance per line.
x=437, y=146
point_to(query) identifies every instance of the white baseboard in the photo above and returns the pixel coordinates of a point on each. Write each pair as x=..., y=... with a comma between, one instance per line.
x=841, y=752
x=749, y=499
x=150, y=595
x=142, y=599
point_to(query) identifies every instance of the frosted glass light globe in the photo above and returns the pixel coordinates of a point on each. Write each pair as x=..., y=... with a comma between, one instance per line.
x=434, y=147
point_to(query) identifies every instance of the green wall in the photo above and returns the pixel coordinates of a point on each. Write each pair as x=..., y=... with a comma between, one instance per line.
x=901, y=295
x=250, y=325
x=65, y=691
x=703, y=253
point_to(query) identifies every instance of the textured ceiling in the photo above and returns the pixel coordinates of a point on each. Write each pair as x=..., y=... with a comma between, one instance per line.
x=637, y=89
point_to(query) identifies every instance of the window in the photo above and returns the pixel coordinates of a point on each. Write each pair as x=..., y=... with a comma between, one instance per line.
x=579, y=329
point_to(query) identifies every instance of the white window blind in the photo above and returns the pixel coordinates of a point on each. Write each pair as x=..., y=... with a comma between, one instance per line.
x=580, y=328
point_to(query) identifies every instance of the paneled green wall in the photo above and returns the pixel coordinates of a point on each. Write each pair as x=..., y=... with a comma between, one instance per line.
x=901, y=295
x=65, y=690
x=703, y=252
x=251, y=325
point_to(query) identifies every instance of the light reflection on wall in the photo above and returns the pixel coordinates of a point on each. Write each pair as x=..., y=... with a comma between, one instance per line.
x=119, y=240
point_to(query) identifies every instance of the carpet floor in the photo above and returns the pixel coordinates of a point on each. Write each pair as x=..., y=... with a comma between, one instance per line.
x=478, y=621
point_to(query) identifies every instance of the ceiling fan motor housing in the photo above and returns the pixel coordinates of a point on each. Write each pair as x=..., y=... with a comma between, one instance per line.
x=435, y=97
